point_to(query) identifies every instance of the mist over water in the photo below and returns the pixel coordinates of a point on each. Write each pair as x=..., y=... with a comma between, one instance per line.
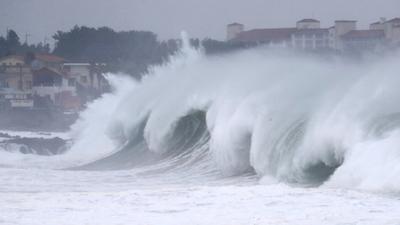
x=279, y=116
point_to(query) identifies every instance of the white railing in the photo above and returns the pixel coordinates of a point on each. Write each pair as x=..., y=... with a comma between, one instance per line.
x=18, y=103
x=52, y=90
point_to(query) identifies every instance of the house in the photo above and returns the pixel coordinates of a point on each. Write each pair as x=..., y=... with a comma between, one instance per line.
x=15, y=82
x=54, y=86
x=47, y=60
x=47, y=80
x=17, y=77
x=12, y=60
x=86, y=74
x=88, y=77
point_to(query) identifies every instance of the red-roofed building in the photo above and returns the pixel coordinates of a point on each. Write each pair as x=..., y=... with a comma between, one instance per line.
x=47, y=60
x=306, y=35
x=309, y=35
x=274, y=36
x=45, y=57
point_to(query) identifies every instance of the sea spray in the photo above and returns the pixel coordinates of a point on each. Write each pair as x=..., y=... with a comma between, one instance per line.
x=287, y=116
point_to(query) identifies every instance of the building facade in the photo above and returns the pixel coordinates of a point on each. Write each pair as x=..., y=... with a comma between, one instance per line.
x=310, y=39
x=308, y=35
x=44, y=80
x=233, y=30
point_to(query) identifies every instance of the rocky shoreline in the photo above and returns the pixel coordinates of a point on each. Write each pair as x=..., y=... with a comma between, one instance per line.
x=33, y=145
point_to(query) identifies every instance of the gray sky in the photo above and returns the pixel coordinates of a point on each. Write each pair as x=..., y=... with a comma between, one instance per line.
x=200, y=18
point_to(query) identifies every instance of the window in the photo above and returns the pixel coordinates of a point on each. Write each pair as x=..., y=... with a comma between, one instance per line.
x=310, y=36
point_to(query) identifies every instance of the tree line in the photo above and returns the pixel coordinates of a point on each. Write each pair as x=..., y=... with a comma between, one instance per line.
x=11, y=45
x=129, y=52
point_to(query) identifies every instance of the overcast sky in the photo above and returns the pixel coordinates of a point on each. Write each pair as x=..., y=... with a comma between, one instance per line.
x=200, y=18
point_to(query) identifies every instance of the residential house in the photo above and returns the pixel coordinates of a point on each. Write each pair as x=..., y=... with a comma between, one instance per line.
x=15, y=82
x=48, y=80
x=53, y=87
x=88, y=77
x=51, y=61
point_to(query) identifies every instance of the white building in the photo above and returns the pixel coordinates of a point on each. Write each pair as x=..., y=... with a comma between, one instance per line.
x=308, y=24
x=84, y=74
x=392, y=30
x=363, y=40
x=233, y=30
x=342, y=27
x=309, y=35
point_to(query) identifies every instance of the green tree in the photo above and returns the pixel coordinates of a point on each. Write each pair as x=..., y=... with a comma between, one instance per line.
x=12, y=42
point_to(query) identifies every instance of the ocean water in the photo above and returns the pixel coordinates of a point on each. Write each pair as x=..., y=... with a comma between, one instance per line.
x=262, y=136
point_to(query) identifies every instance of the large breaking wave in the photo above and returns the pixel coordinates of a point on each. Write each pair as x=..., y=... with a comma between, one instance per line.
x=282, y=116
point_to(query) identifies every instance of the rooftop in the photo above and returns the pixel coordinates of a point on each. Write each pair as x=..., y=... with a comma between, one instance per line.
x=376, y=23
x=266, y=35
x=47, y=71
x=76, y=64
x=308, y=21
x=312, y=31
x=40, y=56
x=19, y=57
x=345, y=21
x=364, y=34
x=235, y=24
x=394, y=20
x=49, y=58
